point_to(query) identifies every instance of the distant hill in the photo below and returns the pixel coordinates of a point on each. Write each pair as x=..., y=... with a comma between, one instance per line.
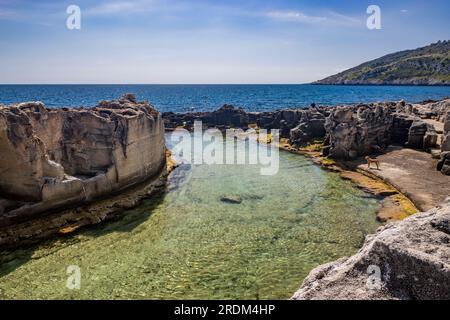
x=429, y=65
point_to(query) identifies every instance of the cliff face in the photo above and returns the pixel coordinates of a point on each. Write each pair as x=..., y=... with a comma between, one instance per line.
x=311, y=126
x=50, y=158
x=355, y=131
x=428, y=65
x=405, y=260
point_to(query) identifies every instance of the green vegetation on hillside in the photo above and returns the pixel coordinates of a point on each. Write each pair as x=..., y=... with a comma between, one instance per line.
x=429, y=65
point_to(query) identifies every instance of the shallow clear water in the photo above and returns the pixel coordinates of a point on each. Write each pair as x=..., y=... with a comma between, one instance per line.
x=182, y=98
x=188, y=244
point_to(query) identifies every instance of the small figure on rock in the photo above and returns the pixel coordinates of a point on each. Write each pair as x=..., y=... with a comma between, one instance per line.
x=372, y=160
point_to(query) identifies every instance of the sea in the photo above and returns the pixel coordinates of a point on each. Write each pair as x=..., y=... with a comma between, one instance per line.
x=195, y=97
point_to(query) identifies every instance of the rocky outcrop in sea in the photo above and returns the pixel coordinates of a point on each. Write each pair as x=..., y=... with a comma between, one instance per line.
x=54, y=158
x=347, y=132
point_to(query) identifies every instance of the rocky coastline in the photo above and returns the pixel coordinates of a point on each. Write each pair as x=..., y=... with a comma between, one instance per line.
x=60, y=166
x=409, y=259
x=339, y=137
x=53, y=160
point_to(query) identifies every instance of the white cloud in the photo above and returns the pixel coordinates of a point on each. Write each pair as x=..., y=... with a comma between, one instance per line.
x=295, y=16
x=404, y=11
x=342, y=19
x=7, y=13
x=328, y=18
x=121, y=7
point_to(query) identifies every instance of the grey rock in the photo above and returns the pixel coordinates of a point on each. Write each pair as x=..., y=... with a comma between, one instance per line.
x=354, y=131
x=231, y=199
x=421, y=135
x=412, y=256
x=60, y=157
x=227, y=115
x=311, y=126
x=444, y=163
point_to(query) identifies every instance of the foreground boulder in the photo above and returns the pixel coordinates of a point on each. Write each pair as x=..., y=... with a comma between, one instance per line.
x=405, y=260
x=51, y=158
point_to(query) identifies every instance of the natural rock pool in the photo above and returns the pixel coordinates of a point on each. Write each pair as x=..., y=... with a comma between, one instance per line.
x=188, y=244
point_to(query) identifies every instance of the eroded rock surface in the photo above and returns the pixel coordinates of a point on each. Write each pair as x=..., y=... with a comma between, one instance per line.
x=354, y=131
x=444, y=163
x=412, y=257
x=311, y=126
x=422, y=135
x=51, y=158
x=348, y=132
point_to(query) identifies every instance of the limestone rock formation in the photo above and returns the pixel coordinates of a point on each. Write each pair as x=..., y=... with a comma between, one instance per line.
x=224, y=117
x=435, y=110
x=401, y=125
x=308, y=123
x=51, y=158
x=227, y=115
x=348, y=131
x=444, y=163
x=404, y=260
x=311, y=126
x=284, y=120
x=354, y=131
x=422, y=135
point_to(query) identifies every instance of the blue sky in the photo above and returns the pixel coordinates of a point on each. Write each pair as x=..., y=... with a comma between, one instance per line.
x=201, y=41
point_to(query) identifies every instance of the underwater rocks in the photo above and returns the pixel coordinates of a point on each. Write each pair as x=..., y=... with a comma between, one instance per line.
x=52, y=158
x=404, y=260
x=231, y=199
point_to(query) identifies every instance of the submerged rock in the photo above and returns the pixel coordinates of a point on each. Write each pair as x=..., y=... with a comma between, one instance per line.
x=405, y=260
x=231, y=199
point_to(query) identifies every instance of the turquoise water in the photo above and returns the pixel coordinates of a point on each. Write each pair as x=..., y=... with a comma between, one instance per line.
x=188, y=244
x=182, y=98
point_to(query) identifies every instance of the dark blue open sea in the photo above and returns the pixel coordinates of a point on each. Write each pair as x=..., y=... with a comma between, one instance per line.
x=182, y=98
